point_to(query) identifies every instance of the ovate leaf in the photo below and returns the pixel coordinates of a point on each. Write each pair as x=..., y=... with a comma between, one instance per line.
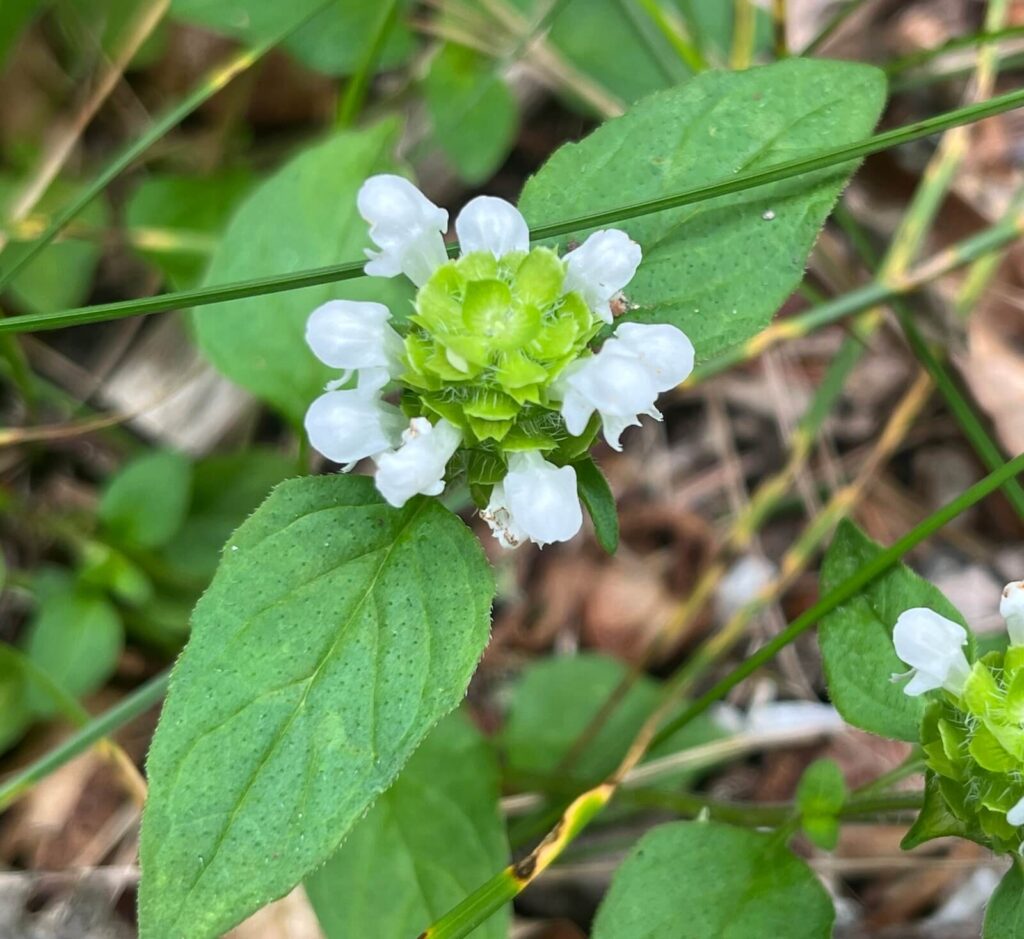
x=597, y=497
x=472, y=110
x=718, y=269
x=146, y=502
x=335, y=634
x=819, y=799
x=302, y=217
x=856, y=638
x=1004, y=916
x=429, y=841
x=710, y=881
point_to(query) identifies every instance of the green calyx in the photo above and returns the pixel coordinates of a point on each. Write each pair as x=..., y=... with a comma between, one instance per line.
x=487, y=339
x=974, y=748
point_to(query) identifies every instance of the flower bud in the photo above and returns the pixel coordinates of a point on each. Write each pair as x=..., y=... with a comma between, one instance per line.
x=490, y=224
x=405, y=225
x=537, y=501
x=353, y=335
x=1011, y=608
x=933, y=646
x=418, y=465
x=600, y=267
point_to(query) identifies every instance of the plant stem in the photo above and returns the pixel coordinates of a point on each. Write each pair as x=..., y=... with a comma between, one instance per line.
x=831, y=26
x=358, y=84
x=353, y=269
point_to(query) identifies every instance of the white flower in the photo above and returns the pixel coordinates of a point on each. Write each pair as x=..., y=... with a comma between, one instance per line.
x=490, y=224
x=1015, y=816
x=354, y=336
x=537, y=501
x=600, y=267
x=405, y=225
x=1011, y=607
x=623, y=380
x=346, y=426
x=743, y=582
x=933, y=646
x=418, y=465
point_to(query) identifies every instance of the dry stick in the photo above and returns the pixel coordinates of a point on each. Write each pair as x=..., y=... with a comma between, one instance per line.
x=55, y=156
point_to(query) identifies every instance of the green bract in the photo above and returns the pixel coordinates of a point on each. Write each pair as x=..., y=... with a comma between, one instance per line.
x=488, y=338
x=974, y=746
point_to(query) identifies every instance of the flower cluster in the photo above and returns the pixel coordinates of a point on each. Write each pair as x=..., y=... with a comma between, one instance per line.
x=494, y=373
x=973, y=733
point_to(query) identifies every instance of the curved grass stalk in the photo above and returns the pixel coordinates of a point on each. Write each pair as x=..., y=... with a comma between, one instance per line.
x=831, y=26
x=214, y=81
x=507, y=884
x=353, y=269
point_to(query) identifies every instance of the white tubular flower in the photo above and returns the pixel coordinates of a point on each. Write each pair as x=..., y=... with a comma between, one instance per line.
x=624, y=379
x=346, y=426
x=405, y=225
x=537, y=501
x=933, y=646
x=487, y=223
x=353, y=336
x=1011, y=607
x=418, y=465
x=1015, y=816
x=600, y=267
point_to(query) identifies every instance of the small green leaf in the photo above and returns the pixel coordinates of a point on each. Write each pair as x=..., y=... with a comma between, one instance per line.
x=303, y=216
x=472, y=110
x=75, y=636
x=597, y=497
x=1004, y=916
x=935, y=820
x=719, y=269
x=336, y=632
x=819, y=799
x=575, y=687
x=710, y=881
x=856, y=638
x=15, y=713
x=146, y=502
x=428, y=842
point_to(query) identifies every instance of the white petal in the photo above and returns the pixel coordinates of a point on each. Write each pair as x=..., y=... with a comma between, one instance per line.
x=933, y=645
x=921, y=682
x=542, y=498
x=1015, y=816
x=346, y=426
x=487, y=223
x=600, y=267
x=405, y=225
x=350, y=334
x=498, y=517
x=1011, y=607
x=664, y=349
x=418, y=465
x=744, y=581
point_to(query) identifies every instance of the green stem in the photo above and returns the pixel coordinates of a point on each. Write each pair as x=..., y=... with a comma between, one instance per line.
x=669, y=64
x=831, y=26
x=847, y=589
x=141, y=700
x=359, y=83
x=687, y=51
x=353, y=269
x=922, y=57
x=209, y=86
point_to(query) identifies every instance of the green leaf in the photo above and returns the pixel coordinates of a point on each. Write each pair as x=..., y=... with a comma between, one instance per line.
x=146, y=502
x=597, y=497
x=336, y=632
x=856, y=638
x=334, y=41
x=61, y=275
x=428, y=842
x=303, y=216
x=819, y=799
x=704, y=880
x=473, y=112
x=720, y=269
x=575, y=688
x=14, y=16
x=1004, y=916
x=225, y=491
x=187, y=213
x=935, y=820
x=75, y=636
x=15, y=713
x=331, y=42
